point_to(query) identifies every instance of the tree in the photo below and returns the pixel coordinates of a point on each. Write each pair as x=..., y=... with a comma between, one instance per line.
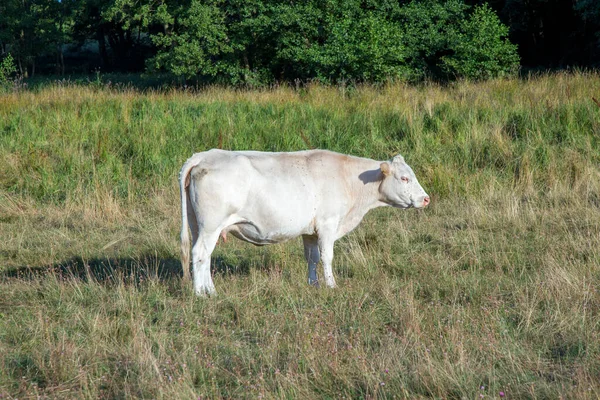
x=340, y=40
x=428, y=27
x=480, y=48
x=261, y=41
x=589, y=10
x=120, y=29
x=198, y=44
x=550, y=33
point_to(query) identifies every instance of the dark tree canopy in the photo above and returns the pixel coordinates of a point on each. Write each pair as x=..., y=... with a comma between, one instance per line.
x=263, y=41
x=552, y=33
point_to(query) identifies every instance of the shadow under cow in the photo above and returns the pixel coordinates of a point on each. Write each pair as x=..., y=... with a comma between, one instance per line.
x=124, y=269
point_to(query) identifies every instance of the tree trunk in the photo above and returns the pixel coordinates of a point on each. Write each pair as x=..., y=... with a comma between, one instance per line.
x=60, y=59
x=20, y=65
x=102, y=47
x=62, y=62
x=57, y=65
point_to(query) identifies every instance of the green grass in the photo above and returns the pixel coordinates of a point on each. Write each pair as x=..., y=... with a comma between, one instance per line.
x=495, y=285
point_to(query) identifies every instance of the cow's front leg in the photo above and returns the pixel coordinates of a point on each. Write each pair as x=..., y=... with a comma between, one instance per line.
x=326, y=252
x=311, y=253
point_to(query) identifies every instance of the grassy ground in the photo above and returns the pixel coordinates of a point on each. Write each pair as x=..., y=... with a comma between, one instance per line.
x=493, y=288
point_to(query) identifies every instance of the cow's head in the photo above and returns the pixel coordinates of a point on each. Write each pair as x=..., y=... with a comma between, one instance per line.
x=400, y=187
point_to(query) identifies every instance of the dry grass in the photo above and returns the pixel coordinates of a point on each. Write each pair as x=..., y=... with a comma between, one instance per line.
x=494, y=288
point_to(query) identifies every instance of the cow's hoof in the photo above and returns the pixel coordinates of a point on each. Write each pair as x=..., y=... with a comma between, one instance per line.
x=206, y=292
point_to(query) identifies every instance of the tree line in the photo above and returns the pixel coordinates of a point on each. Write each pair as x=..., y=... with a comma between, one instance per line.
x=262, y=41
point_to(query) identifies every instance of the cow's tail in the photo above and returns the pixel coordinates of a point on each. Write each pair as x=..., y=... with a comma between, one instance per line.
x=184, y=183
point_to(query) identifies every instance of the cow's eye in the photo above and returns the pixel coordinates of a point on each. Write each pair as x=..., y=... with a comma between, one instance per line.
x=404, y=179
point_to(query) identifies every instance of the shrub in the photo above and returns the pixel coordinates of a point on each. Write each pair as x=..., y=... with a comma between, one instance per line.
x=262, y=41
x=7, y=68
x=480, y=48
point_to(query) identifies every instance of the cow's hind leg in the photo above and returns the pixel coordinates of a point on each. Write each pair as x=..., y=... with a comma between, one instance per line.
x=326, y=251
x=201, y=252
x=311, y=253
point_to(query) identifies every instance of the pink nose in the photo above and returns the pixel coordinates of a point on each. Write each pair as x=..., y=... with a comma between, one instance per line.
x=426, y=201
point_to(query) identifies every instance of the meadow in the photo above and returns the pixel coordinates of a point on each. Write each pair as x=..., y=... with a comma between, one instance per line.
x=493, y=291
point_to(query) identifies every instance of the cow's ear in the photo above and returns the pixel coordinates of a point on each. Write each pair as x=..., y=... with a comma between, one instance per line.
x=398, y=159
x=385, y=168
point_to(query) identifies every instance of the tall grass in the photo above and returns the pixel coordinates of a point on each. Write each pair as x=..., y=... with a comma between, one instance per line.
x=493, y=288
x=68, y=141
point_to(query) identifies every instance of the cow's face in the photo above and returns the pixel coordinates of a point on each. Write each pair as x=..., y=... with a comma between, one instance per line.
x=400, y=187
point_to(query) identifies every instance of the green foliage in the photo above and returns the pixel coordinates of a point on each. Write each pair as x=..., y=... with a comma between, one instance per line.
x=199, y=47
x=480, y=48
x=132, y=14
x=361, y=46
x=428, y=25
x=32, y=29
x=7, y=68
x=263, y=41
x=330, y=41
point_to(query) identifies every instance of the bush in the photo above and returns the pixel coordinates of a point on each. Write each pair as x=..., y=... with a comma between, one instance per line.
x=200, y=45
x=261, y=41
x=427, y=27
x=360, y=46
x=481, y=49
x=7, y=68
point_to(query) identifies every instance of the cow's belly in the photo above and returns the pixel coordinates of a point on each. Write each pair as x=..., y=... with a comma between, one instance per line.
x=276, y=212
x=275, y=208
x=261, y=235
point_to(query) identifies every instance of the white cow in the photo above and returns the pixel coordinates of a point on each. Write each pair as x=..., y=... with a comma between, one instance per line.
x=265, y=198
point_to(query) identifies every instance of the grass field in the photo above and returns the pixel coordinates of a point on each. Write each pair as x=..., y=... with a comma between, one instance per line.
x=492, y=291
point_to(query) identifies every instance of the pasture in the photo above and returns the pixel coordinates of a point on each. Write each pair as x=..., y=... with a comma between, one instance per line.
x=491, y=291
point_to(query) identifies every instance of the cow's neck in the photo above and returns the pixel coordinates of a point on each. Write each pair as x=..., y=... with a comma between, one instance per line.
x=367, y=196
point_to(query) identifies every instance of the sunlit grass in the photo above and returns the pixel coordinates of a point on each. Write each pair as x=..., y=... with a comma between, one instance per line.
x=493, y=288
